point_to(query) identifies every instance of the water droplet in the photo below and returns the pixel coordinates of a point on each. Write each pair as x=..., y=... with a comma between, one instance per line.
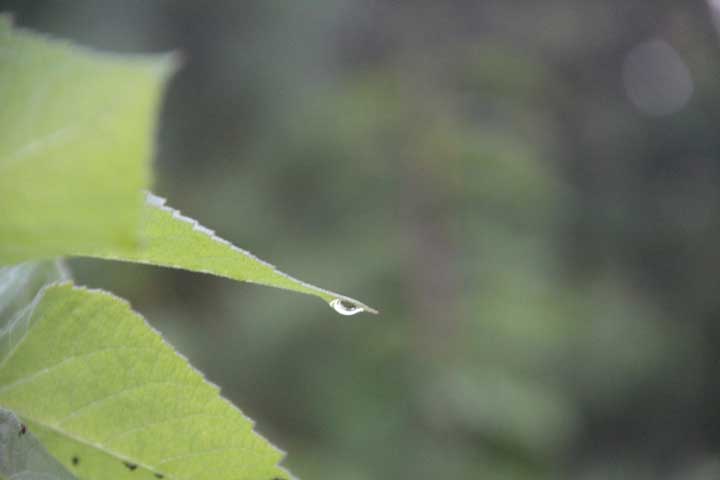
x=343, y=307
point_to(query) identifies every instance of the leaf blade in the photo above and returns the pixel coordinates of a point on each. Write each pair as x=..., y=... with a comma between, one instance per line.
x=114, y=395
x=76, y=134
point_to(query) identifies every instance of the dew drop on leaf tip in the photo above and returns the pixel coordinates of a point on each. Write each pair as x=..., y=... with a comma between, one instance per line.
x=345, y=307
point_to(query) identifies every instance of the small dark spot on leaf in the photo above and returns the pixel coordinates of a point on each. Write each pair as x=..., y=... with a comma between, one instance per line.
x=131, y=466
x=159, y=475
x=75, y=460
x=23, y=429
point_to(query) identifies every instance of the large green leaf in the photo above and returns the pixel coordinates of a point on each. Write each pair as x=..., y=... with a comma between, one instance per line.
x=22, y=457
x=76, y=131
x=111, y=400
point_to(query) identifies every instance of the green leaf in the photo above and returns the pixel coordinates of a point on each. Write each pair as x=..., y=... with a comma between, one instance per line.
x=110, y=399
x=173, y=240
x=76, y=131
x=22, y=457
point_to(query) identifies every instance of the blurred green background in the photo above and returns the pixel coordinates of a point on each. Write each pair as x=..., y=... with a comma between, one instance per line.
x=528, y=191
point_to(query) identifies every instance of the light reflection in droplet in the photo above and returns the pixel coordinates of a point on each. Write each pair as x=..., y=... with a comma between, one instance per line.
x=343, y=307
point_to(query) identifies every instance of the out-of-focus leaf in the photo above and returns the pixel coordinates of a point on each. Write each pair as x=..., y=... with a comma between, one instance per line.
x=20, y=283
x=110, y=399
x=22, y=457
